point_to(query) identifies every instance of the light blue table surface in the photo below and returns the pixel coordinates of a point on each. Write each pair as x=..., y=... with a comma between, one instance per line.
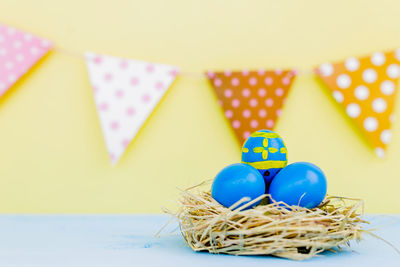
x=128, y=240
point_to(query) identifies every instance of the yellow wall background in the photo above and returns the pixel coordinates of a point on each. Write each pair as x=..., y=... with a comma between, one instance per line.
x=52, y=155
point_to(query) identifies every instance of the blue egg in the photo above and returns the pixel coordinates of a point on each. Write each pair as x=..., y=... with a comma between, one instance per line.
x=301, y=184
x=265, y=151
x=235, y=182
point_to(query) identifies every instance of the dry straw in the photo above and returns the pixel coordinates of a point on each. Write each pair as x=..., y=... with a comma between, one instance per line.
x=273, y=229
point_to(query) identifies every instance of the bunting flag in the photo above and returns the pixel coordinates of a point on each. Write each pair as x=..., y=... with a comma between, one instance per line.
x=126, y=91
x=366, y=88
x=19, y=51
x=251, y=100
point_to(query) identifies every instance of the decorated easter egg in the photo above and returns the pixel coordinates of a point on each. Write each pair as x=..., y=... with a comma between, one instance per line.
x=265, y=151
x=235, y=182
x=301, y=184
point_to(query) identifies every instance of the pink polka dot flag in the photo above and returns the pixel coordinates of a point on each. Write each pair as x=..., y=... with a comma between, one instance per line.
x=19, y=51
x=126, y=91
x=366, y=88
x=251, y=100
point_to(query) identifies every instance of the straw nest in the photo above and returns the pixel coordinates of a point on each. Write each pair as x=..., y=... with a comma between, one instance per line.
x=269, y=229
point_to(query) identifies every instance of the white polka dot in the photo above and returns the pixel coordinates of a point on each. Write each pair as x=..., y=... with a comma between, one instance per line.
x=369, y=75
x=10, y=31
x=326, y=69
x=19, y=57
x=378, y=58
x=3, y=52
x=343, y=81
x=45, y=43
x=2, y=38
x=9, y=65
x=12, y=78
x=27, y=37
x=34, y=50
x=393, y=71
x=2, y=86
x=338, y=96
x=387, y=87
x=379, y=105
x=386, y=136
x=380, y=152
x=352, y=64
x=353, y=110
x=361, y=92
x=17, y=44
x=370, y=124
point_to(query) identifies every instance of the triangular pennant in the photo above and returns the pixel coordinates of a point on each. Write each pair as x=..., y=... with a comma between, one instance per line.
x=126, y=92
x=251, y=100
x=366, y=88
x=19, y=51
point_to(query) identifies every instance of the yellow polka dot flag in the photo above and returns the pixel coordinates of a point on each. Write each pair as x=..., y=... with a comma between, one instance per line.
x=366, y=88
x=251, y=100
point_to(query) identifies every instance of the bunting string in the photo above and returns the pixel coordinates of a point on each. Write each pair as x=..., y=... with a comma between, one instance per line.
x=67, y=52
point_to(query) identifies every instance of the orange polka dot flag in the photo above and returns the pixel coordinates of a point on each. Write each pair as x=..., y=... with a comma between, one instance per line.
x=251, y=100
x=366, y=88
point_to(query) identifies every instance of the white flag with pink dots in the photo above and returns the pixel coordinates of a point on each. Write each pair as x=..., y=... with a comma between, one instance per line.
x=19, y=51
x=126, y=91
